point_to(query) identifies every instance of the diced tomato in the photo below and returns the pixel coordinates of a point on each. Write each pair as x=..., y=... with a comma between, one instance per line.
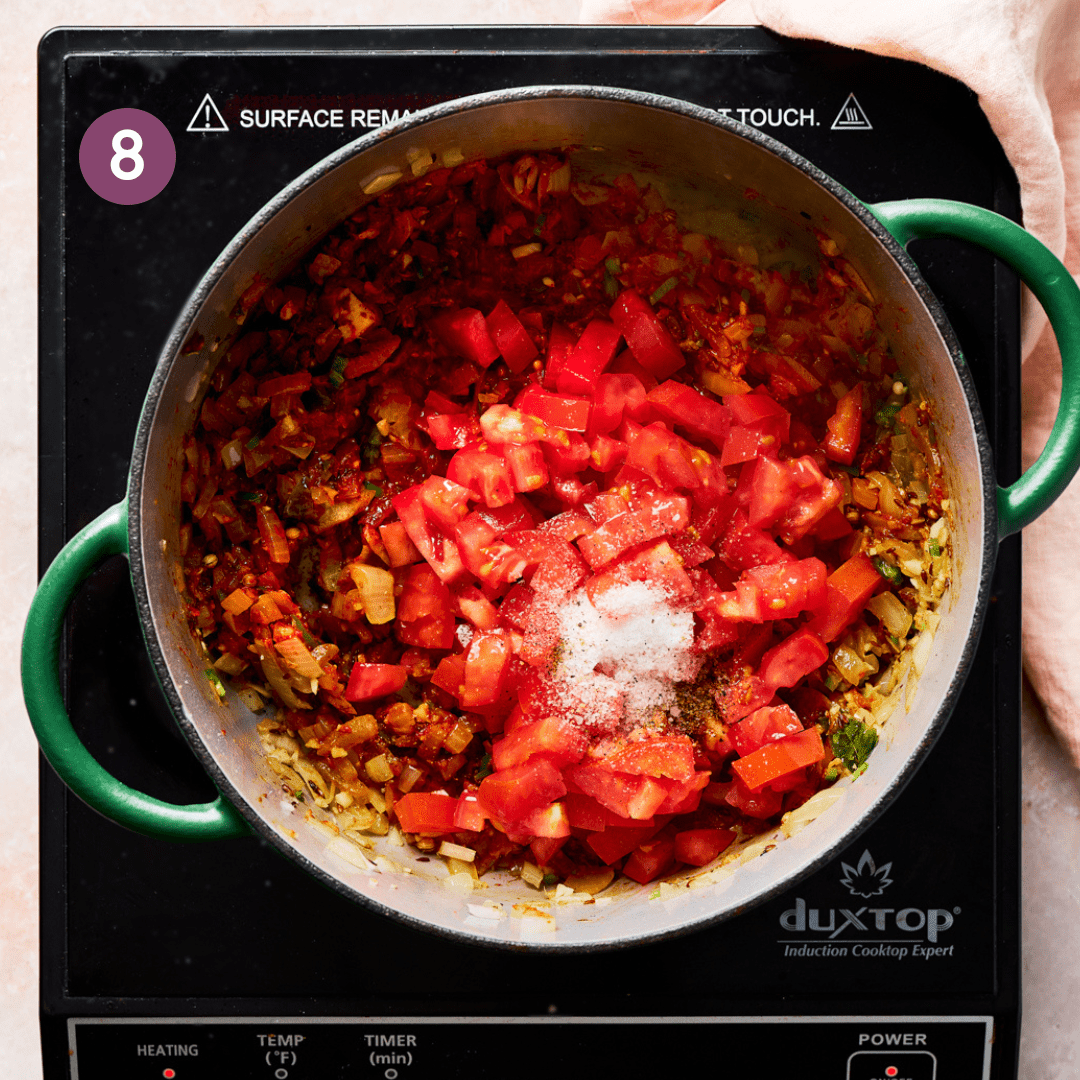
x=833, y=526
x=468, y=814
x=595, y=349
x=510, y=795
x=758, y=411
x=570, y=456
x=510, y=337
x=568, y=526
x=607, y=454
x=440, y=552
x=370, y=681
x=515, y=606
x=559, y=410
x=453, y=431
x=528, y=470
x=613, y=843
x=613, y=396
x=698, y=847
x=793, y=659
x=740, y=694
x=762, y=804
x=772, y=491
x=844, y=427
x=584, y=812
x=560, y=343
x=487, y=661
x=683, y=796
x=400, y=550
x=763, y=726
x=658, y=452
x=544, y=849
x=650, y=860
x=465, y=334
x=450, y=673
x=701, y=416
x=745, y=444
x=628, y=796
x=474, y=606
x=817, y=495
x=663, y=755
x=483, y=476
x=790, y=587
x=743, y=546
x=657, y=565
x=847, y=590
x=558, y=739
x=445, y=501
x=548, y=822
x=646, y=336
x=778, y=758
x=422, y=594
x=624, y=531
x=427, y=813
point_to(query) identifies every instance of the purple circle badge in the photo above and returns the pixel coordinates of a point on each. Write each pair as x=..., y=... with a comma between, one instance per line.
x=127, y=156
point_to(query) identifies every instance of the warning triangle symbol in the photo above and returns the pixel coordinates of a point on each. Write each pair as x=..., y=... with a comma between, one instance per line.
x=207, y=117
x=851, y=117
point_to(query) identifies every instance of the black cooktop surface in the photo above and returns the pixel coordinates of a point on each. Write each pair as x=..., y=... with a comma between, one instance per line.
x=921, y=963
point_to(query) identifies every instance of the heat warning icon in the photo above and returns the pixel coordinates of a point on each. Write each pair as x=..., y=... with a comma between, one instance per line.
x=851, y=117
x=207, y=117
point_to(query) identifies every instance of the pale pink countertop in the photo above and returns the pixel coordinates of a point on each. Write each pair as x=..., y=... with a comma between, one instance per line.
x=1050, y=1047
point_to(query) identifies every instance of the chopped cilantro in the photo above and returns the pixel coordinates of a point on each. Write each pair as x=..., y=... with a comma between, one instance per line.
x=935, y=548
x=663, y=289
x=541, y=218
x=885, y=416
x=337, y=370
x=745, y=295
x=371, y=447
x=369, y=486
x=215, y=681
x=853, y=744
x=655, y=894
x=550, y=880
x=309, y=641
x=250, y=496
x=831, y=681
x=612, y=265
x=252, y=442
x=887, y=570
x=483, y=768
x=611, y=286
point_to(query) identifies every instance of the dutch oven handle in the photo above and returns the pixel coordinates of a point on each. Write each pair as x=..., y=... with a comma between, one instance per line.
x=1043, y=273
x=104, y=536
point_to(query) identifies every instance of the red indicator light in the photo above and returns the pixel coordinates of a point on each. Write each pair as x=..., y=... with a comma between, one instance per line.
x=170, y=1073
x=892, y=1070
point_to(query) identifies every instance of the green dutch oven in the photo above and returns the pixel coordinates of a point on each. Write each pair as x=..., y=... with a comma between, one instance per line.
x=702, y=159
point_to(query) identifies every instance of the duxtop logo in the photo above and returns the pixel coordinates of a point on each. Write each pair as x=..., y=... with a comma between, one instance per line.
x=865, y=931
x=866, y=879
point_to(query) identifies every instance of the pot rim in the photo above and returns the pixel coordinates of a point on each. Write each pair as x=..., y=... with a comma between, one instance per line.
x=221, y=265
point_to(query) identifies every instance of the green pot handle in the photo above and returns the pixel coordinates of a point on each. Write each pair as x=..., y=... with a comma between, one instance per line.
x=105, y=536
x=910, y=219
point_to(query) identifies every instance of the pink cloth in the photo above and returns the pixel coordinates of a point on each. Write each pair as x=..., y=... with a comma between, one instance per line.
x=1022, y=57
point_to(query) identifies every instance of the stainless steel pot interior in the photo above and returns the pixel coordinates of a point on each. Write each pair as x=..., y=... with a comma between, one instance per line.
x=703, y=163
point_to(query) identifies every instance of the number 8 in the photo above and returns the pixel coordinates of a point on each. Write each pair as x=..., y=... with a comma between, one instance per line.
x=120, y=154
